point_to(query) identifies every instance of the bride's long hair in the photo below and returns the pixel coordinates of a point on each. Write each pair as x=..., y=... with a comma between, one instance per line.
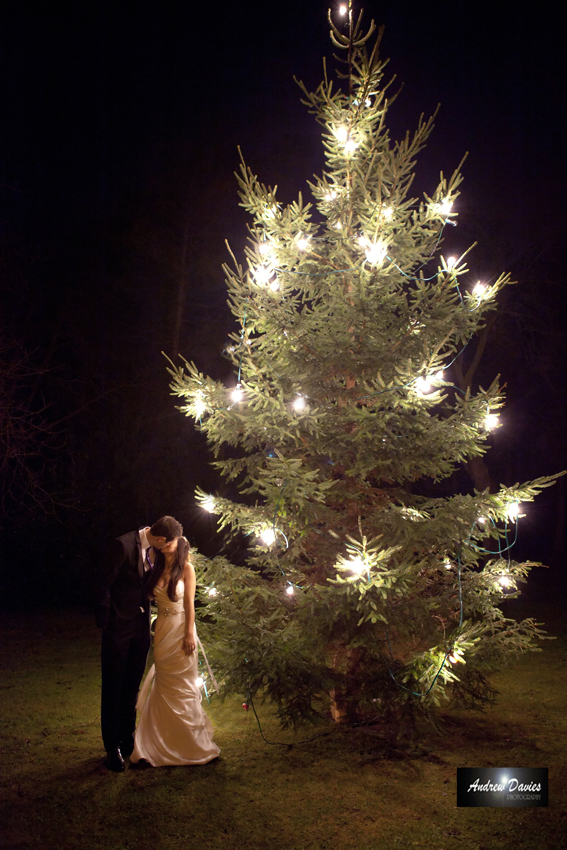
x=177, y=564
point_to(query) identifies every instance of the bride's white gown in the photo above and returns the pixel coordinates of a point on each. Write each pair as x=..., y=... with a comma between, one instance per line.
x=173, y=727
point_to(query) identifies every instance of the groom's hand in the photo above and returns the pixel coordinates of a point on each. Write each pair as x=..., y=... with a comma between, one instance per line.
x=188, y=645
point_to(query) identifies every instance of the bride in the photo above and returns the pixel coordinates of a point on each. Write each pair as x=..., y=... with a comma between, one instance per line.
x=173, y=727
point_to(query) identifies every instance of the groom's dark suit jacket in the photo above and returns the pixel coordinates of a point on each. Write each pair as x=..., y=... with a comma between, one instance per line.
x=121, y=585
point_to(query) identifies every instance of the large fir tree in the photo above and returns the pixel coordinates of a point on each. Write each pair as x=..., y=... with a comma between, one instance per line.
x=365, y=592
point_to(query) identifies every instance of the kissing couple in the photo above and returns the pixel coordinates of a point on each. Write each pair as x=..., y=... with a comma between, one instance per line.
x=151, y=563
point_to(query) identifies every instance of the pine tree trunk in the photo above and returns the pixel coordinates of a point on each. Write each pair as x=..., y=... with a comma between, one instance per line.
x=344, y=705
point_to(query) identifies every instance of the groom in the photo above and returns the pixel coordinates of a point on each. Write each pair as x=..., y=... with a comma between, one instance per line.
x=123, y=613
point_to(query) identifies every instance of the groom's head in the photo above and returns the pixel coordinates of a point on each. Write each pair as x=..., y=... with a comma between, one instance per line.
x=165, y=529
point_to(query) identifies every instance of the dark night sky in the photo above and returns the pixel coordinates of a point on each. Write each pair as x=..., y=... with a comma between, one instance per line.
x=119, y=126
x=95, y=96
x=98, y=98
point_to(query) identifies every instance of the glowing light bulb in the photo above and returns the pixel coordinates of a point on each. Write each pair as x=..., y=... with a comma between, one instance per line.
x=212, y=591
x=290, y=590
x=303, y=243
x=446, y=207
x=208, y=504
x=479, y=289
x=513, y=511
x=237, y=393
x=376, y=253
x=491, y=421
x=343, y=10
x=481, y=519
x=341, y=133
x=200, y=406
x=387, y=212
x=423, y=386
x=357, y=565
x=447, y=564
x=299, y=403
x=451, y=262
x=453, y=659
x=199, y=681
x=338, y=225
x=268, y=536
x=263, y=248
x=330, y=196
x=351, y=146
x=262, y=275
x=504, y=581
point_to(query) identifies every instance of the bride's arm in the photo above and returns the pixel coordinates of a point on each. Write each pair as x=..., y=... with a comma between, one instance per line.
x=188, y=645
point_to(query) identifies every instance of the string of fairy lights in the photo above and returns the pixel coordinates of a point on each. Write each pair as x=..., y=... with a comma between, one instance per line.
x=266, y=276
x=375, y=253
x=424, y=385
x=360, y=567
x=505, y=581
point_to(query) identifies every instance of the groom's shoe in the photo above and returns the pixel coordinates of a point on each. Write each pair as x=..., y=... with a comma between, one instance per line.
x=114, y=760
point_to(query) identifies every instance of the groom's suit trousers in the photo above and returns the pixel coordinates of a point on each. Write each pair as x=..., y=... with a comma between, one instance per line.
x=125, y=647
x=124, y=613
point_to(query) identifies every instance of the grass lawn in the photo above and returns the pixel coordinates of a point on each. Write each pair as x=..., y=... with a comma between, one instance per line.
x=346, y=790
